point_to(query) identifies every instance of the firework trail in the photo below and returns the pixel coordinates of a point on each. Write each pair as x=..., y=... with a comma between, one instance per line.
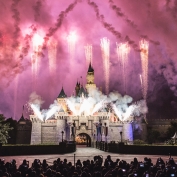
x=141, y=81
x=37, y=112
x=52, y=54
x=71, y=39
x=16, y=79
x=119, y=13
x=144, y=47
x=105, y=48
x=36, y=54
x=110, y=27
x=98, y=106
x=123, y=50
x=59, y=22
x=37, y=8
x=88, y=55
x=100, y=18
x=16, y=17
x=15, y=93
x=52, y=110
x=35, y=103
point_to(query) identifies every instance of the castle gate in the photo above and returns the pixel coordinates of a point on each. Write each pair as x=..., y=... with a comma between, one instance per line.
x=83, y=139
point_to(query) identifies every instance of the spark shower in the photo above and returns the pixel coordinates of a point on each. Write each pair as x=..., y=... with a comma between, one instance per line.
x=27, y=65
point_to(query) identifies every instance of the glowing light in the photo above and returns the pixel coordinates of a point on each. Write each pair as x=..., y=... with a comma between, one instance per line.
x=37, y=42
x=85, y=107
x=144, y=46
x=117, y=112
x=88, y=54
x=141, y=82
x=72, y=107
x=71, y=39
x=90, y=105
x=105, y=48
x=37, y=112
x=123, y=50
x=16, y=79
x=98, y=106
x=52, y=111
x=52, y=54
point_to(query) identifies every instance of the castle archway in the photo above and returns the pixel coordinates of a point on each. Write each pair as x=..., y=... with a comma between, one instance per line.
x=83, y=139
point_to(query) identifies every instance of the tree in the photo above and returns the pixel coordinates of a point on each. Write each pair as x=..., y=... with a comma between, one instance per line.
x=172, y=129
x=152, y=135
x=13, y=132
x=4, y=129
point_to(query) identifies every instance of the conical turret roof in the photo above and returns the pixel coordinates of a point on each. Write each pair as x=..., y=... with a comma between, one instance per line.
x=22, y=118
x=90, y=69
x=62, y=94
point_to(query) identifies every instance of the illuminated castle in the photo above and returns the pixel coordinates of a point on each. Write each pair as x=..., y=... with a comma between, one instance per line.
x=102, y=125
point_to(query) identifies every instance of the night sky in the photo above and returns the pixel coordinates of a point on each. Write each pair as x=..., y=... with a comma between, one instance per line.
x=119, y=21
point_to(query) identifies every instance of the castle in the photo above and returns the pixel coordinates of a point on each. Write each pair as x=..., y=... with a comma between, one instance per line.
x=83, y=128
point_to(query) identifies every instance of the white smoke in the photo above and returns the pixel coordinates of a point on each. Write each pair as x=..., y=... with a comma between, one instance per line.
x=35, y=99
x=96, y=100
x=124, y=110
x=140, y=108
x=53, y=108
x=35, y=102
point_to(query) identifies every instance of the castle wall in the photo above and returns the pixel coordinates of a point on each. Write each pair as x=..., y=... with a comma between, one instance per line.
x=36, y=131
x=127, y=132
x=114, y=133
x=48, y=133
x=61, y=126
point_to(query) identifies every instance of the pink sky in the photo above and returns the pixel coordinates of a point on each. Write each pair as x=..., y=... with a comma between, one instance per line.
x=120, y=21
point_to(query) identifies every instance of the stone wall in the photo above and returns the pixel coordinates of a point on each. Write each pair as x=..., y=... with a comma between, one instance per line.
x=36, y=131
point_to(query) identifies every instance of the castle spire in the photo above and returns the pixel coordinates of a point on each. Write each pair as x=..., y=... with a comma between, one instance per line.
x=62, y=94
x=90, y=69
x=22, y=119
x=90, y=78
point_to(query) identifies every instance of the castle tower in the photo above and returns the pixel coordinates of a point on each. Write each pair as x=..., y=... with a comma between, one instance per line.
x=36, y=130
x=77, y=88
x=61, y=99
x=90, y=78
x=23, y=134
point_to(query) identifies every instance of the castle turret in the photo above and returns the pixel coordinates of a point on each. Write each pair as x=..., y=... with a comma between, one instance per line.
x=77, y=88
x=82, y=92
x=90, y=78
x=61, y=99
x=23, y=134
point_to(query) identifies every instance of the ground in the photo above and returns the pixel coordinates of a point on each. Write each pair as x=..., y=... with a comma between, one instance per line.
x=84, y=153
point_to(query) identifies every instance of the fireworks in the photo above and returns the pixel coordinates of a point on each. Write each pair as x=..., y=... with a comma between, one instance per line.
x=123, y=107
x=71, y=39
x=52, y=54
x=45, y=114
x=16, y=79
x=105, y=48
x=88, y=54
x=53, y=109
x=144, y=46
x=123, y=50
x=37, y=112
x=37, y=48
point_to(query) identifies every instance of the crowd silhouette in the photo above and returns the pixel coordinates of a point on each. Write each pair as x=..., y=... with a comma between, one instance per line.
x=90, y=168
